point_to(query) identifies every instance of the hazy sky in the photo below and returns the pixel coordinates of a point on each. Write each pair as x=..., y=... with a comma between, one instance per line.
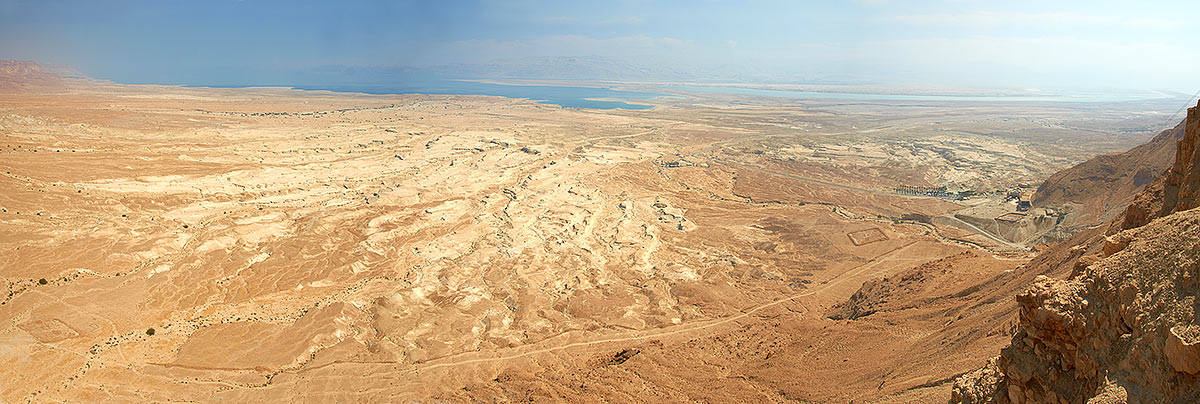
x=1043, y=43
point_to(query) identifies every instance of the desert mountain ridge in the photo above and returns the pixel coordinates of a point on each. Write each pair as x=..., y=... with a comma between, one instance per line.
x=1100, y=188
x=24, y=75
x=1122, y=326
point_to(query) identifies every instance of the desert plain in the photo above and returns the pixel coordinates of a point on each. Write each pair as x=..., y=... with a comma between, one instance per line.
x=172, y=244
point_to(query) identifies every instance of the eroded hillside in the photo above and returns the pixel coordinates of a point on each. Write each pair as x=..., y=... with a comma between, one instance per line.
x=1099, y=189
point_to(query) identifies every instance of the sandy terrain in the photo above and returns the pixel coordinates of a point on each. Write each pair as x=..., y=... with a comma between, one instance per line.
x=172, y=244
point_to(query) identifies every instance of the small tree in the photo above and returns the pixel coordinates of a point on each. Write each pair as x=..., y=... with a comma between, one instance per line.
x=149, y=331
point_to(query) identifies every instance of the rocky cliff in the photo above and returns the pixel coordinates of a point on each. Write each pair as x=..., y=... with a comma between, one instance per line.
x=1122, y=327
x=1176, y=190
x=1183, y=182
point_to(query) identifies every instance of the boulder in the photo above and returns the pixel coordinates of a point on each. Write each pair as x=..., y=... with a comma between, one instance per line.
x=1183, y=348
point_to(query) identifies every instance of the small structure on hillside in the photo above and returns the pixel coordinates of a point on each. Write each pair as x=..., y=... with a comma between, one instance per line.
x=1025, y=201
x=1011, y=217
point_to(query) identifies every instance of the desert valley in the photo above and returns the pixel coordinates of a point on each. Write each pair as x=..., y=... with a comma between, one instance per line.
x=174, y=244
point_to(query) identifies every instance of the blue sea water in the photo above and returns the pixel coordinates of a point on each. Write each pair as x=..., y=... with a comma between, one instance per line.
x=566, y=96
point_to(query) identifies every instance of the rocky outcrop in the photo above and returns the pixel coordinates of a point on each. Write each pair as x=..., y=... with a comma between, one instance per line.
x=1123, y=327
x=874, y=294
x=1182, y=188
x=1183, y=348
x=1177, y=189
x=1125, y=324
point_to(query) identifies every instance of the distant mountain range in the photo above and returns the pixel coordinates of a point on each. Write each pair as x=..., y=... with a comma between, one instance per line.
x=23, y=75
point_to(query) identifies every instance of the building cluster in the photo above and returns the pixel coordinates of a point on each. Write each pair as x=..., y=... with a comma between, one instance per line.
x=956, y=193
x=1022, y=197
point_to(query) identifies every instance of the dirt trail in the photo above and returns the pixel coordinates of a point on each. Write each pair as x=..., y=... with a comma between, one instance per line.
x=856, y=274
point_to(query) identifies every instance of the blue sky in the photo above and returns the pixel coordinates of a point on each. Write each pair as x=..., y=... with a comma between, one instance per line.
x=1080, y=44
